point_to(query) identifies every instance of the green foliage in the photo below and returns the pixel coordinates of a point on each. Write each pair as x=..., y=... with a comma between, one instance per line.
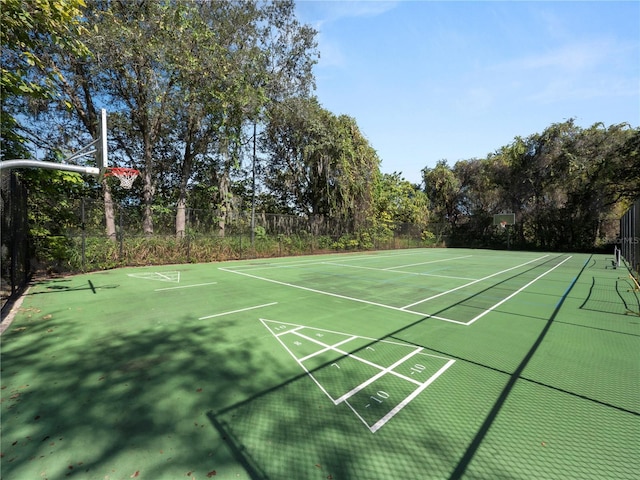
x=50, y=214
x=29, y=31
x=427, y=237
x=398, y=201
x=186, y=82
x=260, y=233
x=564, y=185
x=319, y=164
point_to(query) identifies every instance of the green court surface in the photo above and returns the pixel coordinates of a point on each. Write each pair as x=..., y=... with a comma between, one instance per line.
x=407, y=364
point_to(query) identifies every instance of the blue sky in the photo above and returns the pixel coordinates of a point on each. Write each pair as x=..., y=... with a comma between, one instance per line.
x=428, y=80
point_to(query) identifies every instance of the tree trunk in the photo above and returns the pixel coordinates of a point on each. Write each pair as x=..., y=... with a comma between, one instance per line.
x=147, y=195
x=223, y=191
x=181, y=216
x=109, y=215
x=187, y=162
x=147, y=188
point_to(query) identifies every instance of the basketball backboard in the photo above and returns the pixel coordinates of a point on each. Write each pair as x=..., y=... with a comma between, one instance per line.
x=504, y=219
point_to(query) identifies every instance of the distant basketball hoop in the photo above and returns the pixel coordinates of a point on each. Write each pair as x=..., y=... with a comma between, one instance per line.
x=502, y=221
x=126, y=175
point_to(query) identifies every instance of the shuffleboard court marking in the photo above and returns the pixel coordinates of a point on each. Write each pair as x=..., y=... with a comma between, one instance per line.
x=380, y=423
x=237, y=311
x=471, y=283
x=517, y=291
x=327, y=348
x=383, y=370
x=185, y=286
x=173, y=277
x=279, y=330
x=337, y=295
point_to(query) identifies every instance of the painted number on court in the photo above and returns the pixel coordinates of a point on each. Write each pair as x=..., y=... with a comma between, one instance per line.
x=378, y=398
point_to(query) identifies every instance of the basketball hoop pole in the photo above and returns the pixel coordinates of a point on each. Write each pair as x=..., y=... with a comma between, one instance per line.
x=96, y=147
x=49, y=165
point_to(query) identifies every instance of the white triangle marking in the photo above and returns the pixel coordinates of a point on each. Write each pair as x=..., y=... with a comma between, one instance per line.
x=391, y=372
x=173, y=277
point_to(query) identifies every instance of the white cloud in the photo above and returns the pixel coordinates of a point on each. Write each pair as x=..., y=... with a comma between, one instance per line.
x=574, y=71
x=329, y=11
x=331, y=55
x=569, y=89
x=475, y=100
x=577, y=56
x=569, y=57
x=335, y=10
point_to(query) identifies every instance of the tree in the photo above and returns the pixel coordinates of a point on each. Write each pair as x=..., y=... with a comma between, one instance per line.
x=443, y=190
x=400, y=201
x=28, y=30
x=138, y=79
x=319, y=164
x=565, y=185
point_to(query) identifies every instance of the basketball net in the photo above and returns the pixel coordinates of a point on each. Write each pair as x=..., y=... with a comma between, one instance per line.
x=503, y=225
x=126, y=176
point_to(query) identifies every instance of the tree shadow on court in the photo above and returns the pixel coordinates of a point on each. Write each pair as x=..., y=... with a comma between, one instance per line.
x=66, y=285
x=187, y=400
x=292, y=430
x=120, y=405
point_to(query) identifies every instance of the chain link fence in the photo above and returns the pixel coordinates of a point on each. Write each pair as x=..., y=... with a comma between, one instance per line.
x=16, y=248
x=81, y=243
x=629, y=239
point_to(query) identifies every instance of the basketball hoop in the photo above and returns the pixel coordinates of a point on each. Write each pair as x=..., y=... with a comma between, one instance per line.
x=503, y=225
x=125, y=175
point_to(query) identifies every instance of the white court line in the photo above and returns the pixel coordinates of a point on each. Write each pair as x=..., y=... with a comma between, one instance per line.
x=396, y=271
x=344, y=398
x=287, y=331
x=170, y=279
x=380, y=423
x=185, y=286
x=236, y=311
x=517, y=292
x=382, y=372
x=298, y=263
x=424, y=263
x=324, y=330
x=365, y=361
x=162, y=277
x=471, y=283
x=295, y=357
x=390, y=307
x=326, y=346
x=262, y=266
